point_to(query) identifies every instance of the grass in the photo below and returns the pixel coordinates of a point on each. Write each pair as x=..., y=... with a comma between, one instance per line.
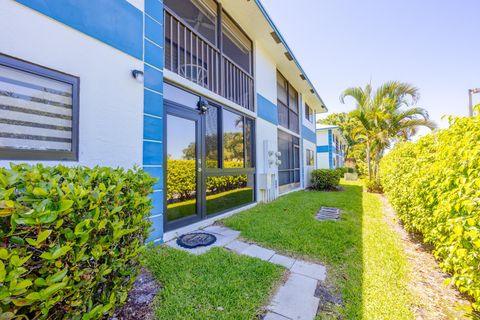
x=215, y=285
x=364, y=257
x=215, y=203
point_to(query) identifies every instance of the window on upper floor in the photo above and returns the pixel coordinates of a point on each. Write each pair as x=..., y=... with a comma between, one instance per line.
x=287, y=104
x=309, y=115
x=200, y=15
x=38, y=112
x=235, y=44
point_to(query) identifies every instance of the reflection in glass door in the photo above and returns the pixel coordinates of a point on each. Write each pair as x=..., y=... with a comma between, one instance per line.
x=183, y=167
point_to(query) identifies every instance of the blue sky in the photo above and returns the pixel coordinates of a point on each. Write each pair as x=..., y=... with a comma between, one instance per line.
x=432, y=44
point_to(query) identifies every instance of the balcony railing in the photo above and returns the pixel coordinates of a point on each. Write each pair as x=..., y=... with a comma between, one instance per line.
x=193, y=57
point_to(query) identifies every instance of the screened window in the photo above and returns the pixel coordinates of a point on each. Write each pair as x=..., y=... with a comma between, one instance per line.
x=287, y=103
x=289, y=169
x=38, y=112
x=235, y=44
x=211, y=137
x=310, y=158
x=309, y=115
x=200, y=15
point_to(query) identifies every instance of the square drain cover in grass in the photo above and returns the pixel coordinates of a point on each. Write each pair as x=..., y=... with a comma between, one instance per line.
x=328, y=213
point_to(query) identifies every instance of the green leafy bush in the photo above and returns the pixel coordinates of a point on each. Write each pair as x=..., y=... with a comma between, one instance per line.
x=181, y=179
x=71, y=239
x=341, y=171
x=434, y=184
x=325, y=179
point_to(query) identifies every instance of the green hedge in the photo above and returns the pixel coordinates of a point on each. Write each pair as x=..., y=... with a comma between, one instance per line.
x=71, y=239
x=181, y=179
x=325, y=179
x=434, y=184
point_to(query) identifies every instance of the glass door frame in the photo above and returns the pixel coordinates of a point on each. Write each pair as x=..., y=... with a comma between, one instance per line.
x=178, y=110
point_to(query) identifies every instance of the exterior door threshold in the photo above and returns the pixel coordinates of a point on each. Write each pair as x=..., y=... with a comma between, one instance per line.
x=169, y=235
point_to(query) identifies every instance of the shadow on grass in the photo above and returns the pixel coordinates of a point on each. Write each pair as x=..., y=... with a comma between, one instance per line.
x=288, y=225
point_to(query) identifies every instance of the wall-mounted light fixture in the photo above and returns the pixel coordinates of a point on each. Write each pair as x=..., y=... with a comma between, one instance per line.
x=138, y=75
x=202, y=105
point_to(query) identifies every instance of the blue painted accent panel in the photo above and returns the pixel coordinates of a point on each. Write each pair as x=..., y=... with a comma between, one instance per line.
x=157, y=202
x=153, y=54
x=309, y=134
x=152, y=128
x=267, y=110
x=157, y=229
x=153, y=79
x=154, y=31
x=152, y=153
x=156, y=172
x=154, y=8
x=330, y=140
x=153, y=103
x=114, y=22
x=322, y=149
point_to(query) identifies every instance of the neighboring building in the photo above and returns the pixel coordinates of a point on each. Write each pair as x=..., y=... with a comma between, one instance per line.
x=331, y=146
x=205, y=96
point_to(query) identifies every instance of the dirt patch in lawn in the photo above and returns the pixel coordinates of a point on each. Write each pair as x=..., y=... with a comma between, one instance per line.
x=140, y=299
x=435, y=299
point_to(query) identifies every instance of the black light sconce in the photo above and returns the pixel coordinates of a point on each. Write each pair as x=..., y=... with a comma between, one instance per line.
x=138, y=75
x=202, y=105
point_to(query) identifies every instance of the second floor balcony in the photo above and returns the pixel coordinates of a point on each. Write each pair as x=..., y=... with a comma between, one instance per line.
x=204, y=45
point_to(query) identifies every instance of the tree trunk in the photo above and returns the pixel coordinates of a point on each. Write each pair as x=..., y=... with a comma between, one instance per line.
x=369, y=165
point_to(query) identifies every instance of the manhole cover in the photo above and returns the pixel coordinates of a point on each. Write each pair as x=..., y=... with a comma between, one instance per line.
x=197, y=239
x=328, y=213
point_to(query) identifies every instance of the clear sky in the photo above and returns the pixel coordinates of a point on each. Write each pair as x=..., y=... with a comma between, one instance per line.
x=432, y=44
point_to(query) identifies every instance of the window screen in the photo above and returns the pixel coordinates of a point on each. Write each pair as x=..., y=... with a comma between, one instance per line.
x=38, y=112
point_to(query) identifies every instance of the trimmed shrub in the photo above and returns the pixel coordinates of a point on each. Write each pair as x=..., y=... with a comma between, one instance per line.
x=434, y=185
x=71, y=239
x=181, y=179
x=373, y=186
x=341, y=171
x=325, y=179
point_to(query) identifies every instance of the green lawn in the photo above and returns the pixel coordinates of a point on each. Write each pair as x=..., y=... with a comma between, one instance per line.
x=364, y=257
x=215, y=285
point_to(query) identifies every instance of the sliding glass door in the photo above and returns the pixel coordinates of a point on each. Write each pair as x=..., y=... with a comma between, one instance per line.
x=209, y=159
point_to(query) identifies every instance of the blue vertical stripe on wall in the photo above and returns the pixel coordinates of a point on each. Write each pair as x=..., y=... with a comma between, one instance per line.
x=154, y=121
x=114, y=22
x=330, y=156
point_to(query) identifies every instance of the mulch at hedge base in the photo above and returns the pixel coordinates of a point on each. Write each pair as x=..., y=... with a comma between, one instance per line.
x=140, y=299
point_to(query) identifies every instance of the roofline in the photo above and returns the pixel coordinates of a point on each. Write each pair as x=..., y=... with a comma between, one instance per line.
x=328, y=128
x=275, y=29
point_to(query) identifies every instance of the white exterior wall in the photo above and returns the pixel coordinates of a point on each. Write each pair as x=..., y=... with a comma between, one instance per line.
x=308, y=145
x=322, y=138
x=266, y=132
x=323, y=161
x=109, y=96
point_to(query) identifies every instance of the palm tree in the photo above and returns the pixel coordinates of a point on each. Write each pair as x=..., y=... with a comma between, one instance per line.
x=386, y=116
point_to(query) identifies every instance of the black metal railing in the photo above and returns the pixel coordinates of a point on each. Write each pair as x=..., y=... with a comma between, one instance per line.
x=195, y=58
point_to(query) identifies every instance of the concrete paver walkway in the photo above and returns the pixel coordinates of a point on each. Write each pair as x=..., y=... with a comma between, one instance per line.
x=295, y=300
